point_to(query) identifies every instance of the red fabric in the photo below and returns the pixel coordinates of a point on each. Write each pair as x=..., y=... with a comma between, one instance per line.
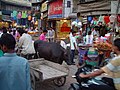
x=118, y=18
x=106, y=19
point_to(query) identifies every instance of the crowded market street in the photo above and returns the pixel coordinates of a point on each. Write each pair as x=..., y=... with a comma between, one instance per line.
x=59, y=44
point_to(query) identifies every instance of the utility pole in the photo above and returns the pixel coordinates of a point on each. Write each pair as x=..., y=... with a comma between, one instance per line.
x=117, y=10
x=113, y=28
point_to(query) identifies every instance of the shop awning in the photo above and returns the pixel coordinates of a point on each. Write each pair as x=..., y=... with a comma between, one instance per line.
x=6, y=18
x=95, y=8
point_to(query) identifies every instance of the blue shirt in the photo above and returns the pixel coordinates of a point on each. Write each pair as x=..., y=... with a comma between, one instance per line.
x=14, y=73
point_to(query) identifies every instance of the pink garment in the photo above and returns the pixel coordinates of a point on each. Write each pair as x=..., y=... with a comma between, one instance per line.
x=19, y=15
x=42, y=37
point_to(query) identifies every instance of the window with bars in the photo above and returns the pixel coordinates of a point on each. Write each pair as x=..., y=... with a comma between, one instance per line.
x=68, y=4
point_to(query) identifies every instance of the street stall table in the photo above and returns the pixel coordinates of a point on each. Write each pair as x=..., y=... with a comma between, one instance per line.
x=42, y=70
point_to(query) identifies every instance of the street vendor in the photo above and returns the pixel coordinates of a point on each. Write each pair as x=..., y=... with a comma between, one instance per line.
x=112, y=68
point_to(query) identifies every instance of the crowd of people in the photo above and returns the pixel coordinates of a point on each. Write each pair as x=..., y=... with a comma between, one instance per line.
x=15, y=68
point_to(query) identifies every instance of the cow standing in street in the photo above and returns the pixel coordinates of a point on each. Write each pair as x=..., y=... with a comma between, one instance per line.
x=51, y=51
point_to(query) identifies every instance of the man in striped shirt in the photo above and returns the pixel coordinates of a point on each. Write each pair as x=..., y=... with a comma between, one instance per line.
x=112, y=68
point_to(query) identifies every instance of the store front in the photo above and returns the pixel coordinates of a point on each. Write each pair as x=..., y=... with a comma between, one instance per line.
x=5, y=21
x=56, y=19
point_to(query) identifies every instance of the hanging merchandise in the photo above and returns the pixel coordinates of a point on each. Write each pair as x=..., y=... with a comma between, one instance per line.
x=74, y=23
x=118, y=18
x=101, y=19
x=79, y=24
x=112, y=18
x=19, y=18
x=84, y=20
x=14, y=15
x=24, y=14
x=29, y=17
x=19, y=15
x=89, y=18
x=92, y=21
x=106, y=19
x=95, y=22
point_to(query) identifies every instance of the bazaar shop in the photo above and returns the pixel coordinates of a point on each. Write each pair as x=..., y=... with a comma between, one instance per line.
x=63, y=28
x=106, y=20
x=4, y=24
x=56, y=19
x=5, y=21
x=44, y=15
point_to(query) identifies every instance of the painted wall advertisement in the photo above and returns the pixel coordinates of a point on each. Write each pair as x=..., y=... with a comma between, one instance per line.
x=55, y=9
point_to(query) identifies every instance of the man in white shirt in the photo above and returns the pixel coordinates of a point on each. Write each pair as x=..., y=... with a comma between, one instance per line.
x=51, y=34
x=73, y=46
x=27, y=44
x=89, y=38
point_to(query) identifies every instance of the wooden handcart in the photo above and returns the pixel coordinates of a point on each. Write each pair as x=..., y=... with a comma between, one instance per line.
x=41, y=70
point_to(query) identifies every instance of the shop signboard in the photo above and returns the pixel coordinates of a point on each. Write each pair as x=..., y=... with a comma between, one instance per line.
x=55, y=9
x=114, y=5
x=44, y=7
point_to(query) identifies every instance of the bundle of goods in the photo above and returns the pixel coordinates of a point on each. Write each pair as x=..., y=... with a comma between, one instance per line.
x=103, y=46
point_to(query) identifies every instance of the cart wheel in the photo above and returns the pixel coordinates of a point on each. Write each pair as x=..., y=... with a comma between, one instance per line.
x=33, y=81
x=59, y=81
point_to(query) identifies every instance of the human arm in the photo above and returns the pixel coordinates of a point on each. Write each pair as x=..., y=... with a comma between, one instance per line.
x=93, y=74
x=20, y=43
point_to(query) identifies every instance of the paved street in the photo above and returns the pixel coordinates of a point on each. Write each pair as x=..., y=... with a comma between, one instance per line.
x=48, y=85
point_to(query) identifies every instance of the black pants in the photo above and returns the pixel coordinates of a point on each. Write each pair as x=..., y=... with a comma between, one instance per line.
x=72, y=55
x=28, y=56
x=100, y=58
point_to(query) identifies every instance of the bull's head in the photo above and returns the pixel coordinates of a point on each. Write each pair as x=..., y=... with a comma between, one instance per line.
x=66, y=56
